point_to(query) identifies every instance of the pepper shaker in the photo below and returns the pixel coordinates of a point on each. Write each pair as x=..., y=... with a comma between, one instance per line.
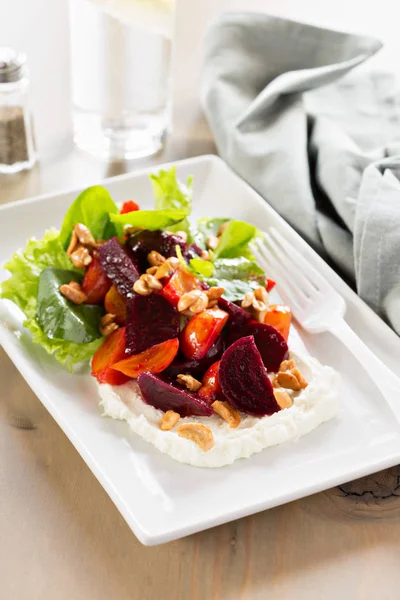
x=16, y=135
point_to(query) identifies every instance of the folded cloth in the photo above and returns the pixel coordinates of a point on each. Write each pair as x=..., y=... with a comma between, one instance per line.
x=320, y=145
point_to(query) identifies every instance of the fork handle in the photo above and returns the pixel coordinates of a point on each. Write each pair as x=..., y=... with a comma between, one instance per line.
x=385, y=379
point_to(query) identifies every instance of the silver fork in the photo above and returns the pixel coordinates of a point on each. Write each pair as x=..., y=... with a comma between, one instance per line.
x=318, y=307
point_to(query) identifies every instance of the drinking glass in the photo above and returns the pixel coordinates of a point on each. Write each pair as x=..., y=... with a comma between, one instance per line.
x=120, y=75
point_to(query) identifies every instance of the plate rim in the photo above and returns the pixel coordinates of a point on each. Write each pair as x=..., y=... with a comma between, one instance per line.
x=19, y=360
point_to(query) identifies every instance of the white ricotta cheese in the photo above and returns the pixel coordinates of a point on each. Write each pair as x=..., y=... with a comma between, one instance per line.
x=317, y=403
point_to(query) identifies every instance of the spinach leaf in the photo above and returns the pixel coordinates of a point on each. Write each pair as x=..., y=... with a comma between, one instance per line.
x=238, y=268
x=58, y=317
x=93, y=208
x=151, y=219
x=204, y=228
x=235, y=289
x=237, y=276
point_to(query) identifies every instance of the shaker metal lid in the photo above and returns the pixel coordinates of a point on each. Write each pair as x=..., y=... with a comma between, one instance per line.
x=12, y=65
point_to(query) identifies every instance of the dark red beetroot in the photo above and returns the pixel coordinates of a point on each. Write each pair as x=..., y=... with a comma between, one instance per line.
x=143, y=242
x=196, y=368
x=270, y=343
x=119, y=267
x=244, y=381
x=150, y=320
x=237, y=315
x=162, y=394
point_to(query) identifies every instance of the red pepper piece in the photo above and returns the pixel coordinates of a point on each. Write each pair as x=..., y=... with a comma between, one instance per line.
x=115, y=304
x=112, y=351
x=211, y=389
x=153, y=360
x=95, y=282
x=180, y=282
x=280, y=317
x=129, y=206
x=201, y=331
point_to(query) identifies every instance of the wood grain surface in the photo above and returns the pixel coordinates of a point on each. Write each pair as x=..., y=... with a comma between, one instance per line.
x=61, y=537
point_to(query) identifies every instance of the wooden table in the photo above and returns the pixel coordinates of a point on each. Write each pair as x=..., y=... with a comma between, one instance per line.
x=61, y=537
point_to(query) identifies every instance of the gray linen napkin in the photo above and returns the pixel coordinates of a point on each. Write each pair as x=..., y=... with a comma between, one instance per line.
x=320, y=145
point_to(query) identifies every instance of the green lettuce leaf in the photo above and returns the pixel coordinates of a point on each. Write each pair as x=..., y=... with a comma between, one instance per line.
x=93, y=208
x=25, y=267
x=66, y=353
x=234, y=239
x=169, y=193
x=60, y=318
x=172, y=194
x=151, y=219
x=200, y=267
x=22, y=288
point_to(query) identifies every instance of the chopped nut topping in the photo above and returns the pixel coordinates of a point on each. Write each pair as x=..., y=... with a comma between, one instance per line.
x=146, y=284
x=169, y=420
x=167, y=268
x=289, y=376
x=212, y=242
x=107, y=319
x=287, y=380
x=84, y=235
x=283, y=399
x=182, y=234
x=214, y=294
x=193, y=302
x=222, y=228
x=81, y=258
x=257, y=303
x=155, y=258
x=189, y=382
x=261, y=295
x=72, y=244
x=152, y=270
x=227, y=412
x=302, y=381
x=173, y=261
x=107, y=329
x=287, y=365
x=200, y=434
x=73, y=291
x=205, y=255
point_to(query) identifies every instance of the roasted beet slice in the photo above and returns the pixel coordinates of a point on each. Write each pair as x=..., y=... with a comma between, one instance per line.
x=161, y=393
x=150, y=320
x=143, y=242
x=196, y=368
x=237, y=315
x=270, y=343
x=119, y=267
x=244, y=380
x=193, y=251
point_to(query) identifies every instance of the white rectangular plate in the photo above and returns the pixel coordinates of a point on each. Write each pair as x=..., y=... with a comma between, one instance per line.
x=160, y=499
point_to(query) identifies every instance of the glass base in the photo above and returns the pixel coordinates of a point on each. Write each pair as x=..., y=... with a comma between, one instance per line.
x=119, y=139
x=17, y=167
